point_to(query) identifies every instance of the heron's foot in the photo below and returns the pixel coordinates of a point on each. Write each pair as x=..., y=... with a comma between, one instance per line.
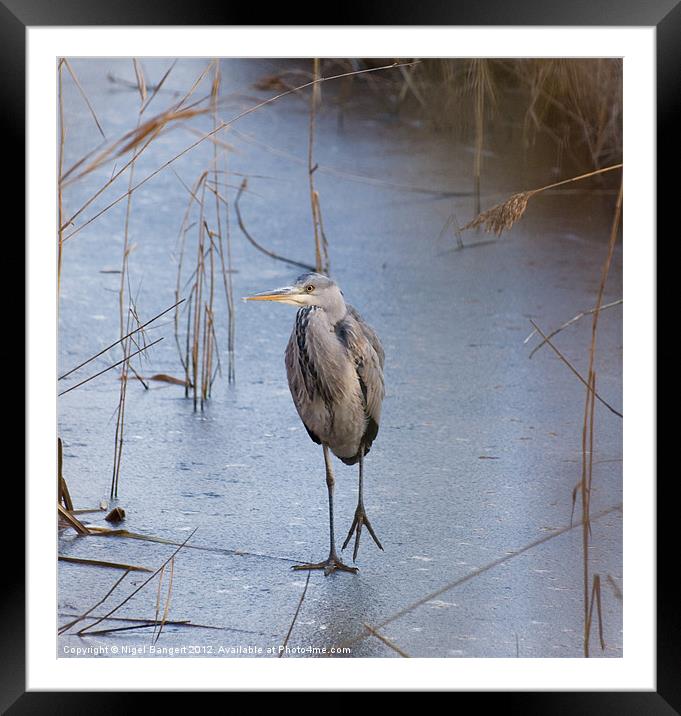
x=332, y=564
x=360, y=520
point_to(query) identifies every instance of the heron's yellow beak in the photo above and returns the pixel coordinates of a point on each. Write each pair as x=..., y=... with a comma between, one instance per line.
x=288, y=294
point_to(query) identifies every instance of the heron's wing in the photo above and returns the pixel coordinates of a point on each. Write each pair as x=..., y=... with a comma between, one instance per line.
x=366, y=350
x=301, y=377
x=370, y=335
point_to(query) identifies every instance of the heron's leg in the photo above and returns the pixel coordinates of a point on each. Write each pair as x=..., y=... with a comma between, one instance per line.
x=360, y=515
x=333, y=563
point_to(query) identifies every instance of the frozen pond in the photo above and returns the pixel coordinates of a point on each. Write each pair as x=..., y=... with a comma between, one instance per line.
x=479, y=447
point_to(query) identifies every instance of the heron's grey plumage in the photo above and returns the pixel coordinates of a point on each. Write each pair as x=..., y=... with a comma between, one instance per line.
x=334, y=364
x=335, y=373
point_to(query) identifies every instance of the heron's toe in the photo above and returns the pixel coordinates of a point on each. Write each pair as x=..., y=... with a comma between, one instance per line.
x=331, y=565
x=360, y=521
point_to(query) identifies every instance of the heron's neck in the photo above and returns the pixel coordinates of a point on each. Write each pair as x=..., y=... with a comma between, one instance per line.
x=335, y=310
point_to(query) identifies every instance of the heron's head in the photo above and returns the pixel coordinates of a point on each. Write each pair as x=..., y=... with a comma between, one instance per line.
x=310, y=289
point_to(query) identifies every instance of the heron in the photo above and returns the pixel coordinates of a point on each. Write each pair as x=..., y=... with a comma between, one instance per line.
x=334, y=365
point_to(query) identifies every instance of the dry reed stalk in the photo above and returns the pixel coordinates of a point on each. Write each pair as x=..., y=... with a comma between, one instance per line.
x=258, y=246
x=411, y=86
x=198, y=297
x=188, y=381
x=63, y=495
x=359, y=178
x=588, y=433
x=139, y=137
x=72, y=521
x=120, y=419
x=156, y=89
x=321, y=254
x=317, y=212
x=84, y=96
x=60, y=178
x=576, y=102
x=182, y=239
x=482, y=84
x=141, y=84
x=201, y=349
x=108, y=532
x=115, y=174
x=157, y=126
x=471, y=575
x=158, y=597
x=197, y=82
x=295, y=616
x=111, y=367
x=573, y=369
x=565, y=325
x=84, y=615
x=166, y=608
x=133, y=338
x=140, y=80
x=587, y=465
x=502, y=216
x=227, y=272
x=120, y=410
x=61, y=224
x=184, y=115
x=384, y=639
x=596, y=599
x=226, y=267
x=209, y=344
x=141, y=586
x=147, y=622
x=452, y=222
x=102, y=563
x=115, y=343
x=615, y=587
x=115, y=630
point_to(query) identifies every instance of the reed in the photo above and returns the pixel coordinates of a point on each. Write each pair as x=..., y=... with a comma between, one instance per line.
x=60, y=178
x=199, y=351
x=120, y=416
x=63, y=494
x=320, y=242
x=504, y=215
x=88, y=628
x=588, y=445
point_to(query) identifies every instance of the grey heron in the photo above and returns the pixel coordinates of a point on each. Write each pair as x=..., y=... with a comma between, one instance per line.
x=334, y=364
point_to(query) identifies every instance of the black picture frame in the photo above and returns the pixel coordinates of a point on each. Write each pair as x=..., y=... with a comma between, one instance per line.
x=665, y=15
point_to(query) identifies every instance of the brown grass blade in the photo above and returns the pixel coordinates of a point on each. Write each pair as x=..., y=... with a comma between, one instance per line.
x=386, y=641
x=92, y=377
x=258, y=246
x=139, y=78
x=141, y=586
x=103, y=563
x=167, y=604
x=72, y=521
x=164, y=378
x=282, y=651
x=84, y=96
x=115, y=343
x=63, y=495
x=573, y=369
x=158, y=86
x=66, y=627
x=475, y=573
x=219, y=128
x=565, y=325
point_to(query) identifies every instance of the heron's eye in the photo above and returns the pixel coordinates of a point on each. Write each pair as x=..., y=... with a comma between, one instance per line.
x=309, y=288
